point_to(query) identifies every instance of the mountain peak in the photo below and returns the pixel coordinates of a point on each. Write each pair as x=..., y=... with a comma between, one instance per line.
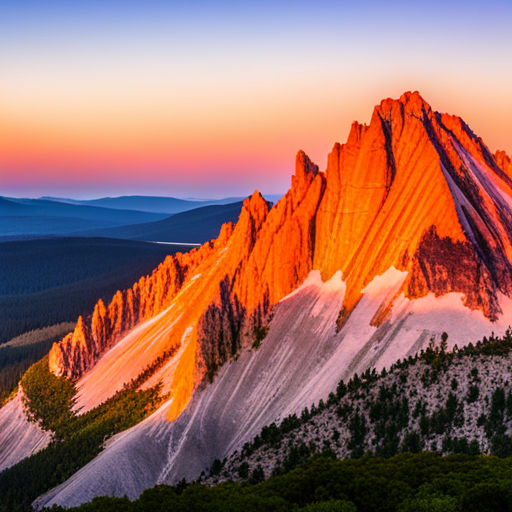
x=411, y=103
x=356, y=133
x=413, y=99
x=415, y=214
x=256, y=206
x=305, y=173
x=304, y=166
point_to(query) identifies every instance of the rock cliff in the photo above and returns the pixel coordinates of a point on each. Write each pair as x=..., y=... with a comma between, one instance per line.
x=79, y=351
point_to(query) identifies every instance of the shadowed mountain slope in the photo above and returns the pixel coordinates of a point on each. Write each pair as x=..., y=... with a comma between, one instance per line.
x=39, y=217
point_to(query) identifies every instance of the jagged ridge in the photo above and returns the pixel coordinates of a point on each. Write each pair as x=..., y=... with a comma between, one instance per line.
x=415, y=189
x=504, y=161
x=94, y=335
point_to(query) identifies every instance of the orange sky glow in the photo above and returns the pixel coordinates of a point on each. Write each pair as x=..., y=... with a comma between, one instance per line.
x=226, y=113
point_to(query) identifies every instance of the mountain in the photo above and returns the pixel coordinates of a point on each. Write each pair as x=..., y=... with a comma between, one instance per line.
x=405, y=236
x=193, y=226
x=12, y=207
x=169, y=205
x=38, y=217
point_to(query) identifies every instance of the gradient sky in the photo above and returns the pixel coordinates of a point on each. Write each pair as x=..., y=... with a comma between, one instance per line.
x=212, y=99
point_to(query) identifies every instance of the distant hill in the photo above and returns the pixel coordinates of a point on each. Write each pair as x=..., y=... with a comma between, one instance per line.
x=169, y=205
x=194, y=226
x=42, y=217
x=157, y=204
x=13, y=207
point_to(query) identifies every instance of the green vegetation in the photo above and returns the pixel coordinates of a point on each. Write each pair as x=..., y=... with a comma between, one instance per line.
x=17, y=355
x=382, y=413
x=219, y=330
x=77, y=439
x=45, y=282
x=404, y=483
x=260, y=333
x=49, y=398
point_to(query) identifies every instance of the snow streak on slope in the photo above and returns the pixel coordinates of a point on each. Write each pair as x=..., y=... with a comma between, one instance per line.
x=143, y=345
x=19, y=438
x=300, y=361
x=111, y=372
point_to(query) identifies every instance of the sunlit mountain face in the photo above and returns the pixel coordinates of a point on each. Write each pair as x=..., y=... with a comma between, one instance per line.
x=405, y=236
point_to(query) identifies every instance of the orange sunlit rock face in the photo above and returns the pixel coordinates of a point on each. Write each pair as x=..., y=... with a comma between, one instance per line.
x=78, y=351
x=414, y=189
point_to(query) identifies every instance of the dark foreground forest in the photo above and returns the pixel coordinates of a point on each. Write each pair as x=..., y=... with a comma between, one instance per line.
x=424, y=482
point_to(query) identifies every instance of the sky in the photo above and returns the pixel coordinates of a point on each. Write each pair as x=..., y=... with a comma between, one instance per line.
x=214, y=99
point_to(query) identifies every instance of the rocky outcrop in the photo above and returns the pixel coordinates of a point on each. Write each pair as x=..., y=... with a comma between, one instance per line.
x=504, y=162
x=436, y=266
x=282, y=254
x=270, y=254
x=219, y=331
x=415, y=190
x=79, y=351
x=413, y=170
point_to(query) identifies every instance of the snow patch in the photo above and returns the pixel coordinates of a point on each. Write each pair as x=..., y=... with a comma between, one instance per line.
x=314, y=279
x=391, y=279
x=166, y=373
x=19, y=438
